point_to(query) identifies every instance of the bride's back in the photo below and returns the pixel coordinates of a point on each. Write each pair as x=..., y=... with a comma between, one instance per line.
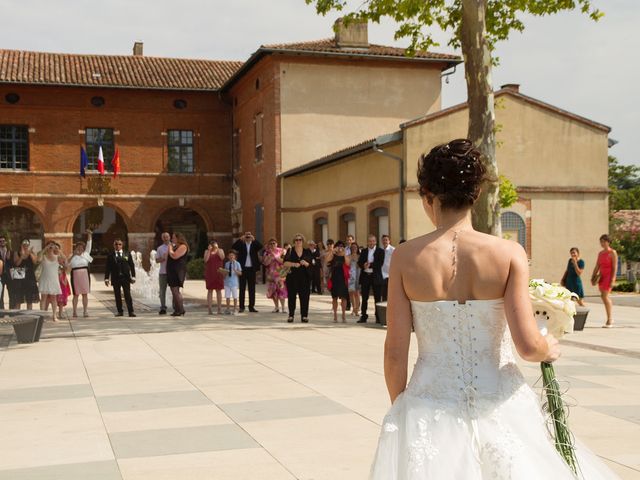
x=454, y=265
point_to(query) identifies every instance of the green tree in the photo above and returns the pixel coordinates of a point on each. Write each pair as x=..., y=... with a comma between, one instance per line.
x=475, y=26
x=623, y=177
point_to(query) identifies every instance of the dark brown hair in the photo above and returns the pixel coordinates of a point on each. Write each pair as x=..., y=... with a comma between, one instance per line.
x=453, y=172
x=604, y=237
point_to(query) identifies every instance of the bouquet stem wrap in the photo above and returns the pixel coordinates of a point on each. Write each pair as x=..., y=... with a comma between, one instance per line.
x=558, y=414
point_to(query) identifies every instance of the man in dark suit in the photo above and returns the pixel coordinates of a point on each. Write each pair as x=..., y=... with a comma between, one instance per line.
x=316, y=268
x=370, y=262
x=248, y=249
x=121, y=271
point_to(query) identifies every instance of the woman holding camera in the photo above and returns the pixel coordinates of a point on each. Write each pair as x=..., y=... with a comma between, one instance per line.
x=340, y=272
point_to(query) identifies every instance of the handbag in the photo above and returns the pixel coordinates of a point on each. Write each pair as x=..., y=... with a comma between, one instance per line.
x=18, y=273
x=595, y=278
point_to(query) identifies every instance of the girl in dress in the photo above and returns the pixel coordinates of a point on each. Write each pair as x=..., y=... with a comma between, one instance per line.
x=467, y=411
x=65, y=288
x=213, y=260
x=49, y=278
x=338, y=263
x=604, y=274
x=80, y=275
x=273, y=260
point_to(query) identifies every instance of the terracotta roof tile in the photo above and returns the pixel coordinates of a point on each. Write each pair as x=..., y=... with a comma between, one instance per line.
x=329, y=45
x=114, y=71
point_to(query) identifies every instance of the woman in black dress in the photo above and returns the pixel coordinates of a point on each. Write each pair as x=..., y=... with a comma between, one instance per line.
x=177, y=270
x=299, y=260
x=339, y=264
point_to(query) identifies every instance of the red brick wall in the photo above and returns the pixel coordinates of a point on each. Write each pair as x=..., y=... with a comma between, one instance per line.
x=258, y=179
x=58, y=194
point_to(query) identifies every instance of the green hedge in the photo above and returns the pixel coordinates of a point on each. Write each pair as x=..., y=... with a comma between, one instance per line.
x=195, y=269
x=624, y=287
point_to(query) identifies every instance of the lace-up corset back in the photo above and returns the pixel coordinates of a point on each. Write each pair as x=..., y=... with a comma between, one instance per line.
x=465, y=354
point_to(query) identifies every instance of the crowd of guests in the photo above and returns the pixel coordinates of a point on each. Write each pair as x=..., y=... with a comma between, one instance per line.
x=293, y=272
x=47, y=278
x=604, y=275
x=350, y=273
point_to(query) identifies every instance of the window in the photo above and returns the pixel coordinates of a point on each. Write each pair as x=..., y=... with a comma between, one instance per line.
x=514, y=228
x=257, y=121
x=180, y=151
x=379, y=222
x=96, y=138
x=347, y=225
x=321, y=230
x=14, y=147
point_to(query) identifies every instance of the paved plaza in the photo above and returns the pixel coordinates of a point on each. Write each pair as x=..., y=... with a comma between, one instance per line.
x=250, y=396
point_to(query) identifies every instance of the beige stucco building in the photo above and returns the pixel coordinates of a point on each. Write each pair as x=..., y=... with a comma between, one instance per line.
x=557, y=160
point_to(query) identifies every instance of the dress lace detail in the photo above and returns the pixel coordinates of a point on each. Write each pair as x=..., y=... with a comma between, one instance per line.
x=467, y=412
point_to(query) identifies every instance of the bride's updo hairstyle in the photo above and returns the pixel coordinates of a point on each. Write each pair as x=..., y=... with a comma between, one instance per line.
x=453, y=172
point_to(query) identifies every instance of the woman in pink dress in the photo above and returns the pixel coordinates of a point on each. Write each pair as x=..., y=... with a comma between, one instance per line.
x=65, y=288
x=273, y=259
x=604, y=274
x=213, y=261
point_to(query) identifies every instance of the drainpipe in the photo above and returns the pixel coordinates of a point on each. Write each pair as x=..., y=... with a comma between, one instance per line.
x=400, y=160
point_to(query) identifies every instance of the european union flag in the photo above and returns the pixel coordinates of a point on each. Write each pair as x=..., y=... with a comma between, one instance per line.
x=84, y=161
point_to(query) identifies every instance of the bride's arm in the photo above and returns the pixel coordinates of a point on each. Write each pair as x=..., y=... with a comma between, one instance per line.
x=530, y=344
x=399, y=319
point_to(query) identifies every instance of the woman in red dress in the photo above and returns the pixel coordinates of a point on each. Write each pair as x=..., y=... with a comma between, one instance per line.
x=604, y=274
x=213, y=261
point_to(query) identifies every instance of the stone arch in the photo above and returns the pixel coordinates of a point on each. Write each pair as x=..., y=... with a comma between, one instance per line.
x=190, y=221
x=73, y=217
x=16, y=222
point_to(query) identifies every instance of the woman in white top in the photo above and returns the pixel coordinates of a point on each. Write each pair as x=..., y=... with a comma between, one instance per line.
x=49, y=284
x=80, y=278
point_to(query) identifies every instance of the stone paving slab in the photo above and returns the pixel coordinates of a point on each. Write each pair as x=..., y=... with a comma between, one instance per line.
x=250, y=396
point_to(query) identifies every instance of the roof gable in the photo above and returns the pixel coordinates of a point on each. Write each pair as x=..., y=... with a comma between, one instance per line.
x=518, y=95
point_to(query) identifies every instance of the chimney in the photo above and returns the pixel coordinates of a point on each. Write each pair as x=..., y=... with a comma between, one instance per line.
x=137, y=49
x=515, y=87
x=355, y=35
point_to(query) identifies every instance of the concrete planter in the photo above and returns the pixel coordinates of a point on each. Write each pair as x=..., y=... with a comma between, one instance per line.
x=580, y=318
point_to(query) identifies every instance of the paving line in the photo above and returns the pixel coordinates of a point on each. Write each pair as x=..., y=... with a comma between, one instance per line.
x=106, y=431
x=214, y=403
x=602, y=348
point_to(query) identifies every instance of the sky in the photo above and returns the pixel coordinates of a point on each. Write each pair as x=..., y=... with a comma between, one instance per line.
x=588, y=68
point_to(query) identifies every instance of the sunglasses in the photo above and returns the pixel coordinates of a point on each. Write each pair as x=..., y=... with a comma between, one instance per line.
x=297, y=239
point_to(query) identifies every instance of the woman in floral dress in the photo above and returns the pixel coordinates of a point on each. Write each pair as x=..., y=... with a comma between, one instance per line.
x=276, y=289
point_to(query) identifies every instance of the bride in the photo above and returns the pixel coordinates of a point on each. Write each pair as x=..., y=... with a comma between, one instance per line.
x=467, y=412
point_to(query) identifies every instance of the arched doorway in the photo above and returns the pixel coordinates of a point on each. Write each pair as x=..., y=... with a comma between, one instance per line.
x=17, y=223
x=189, y=223
x=107, y=225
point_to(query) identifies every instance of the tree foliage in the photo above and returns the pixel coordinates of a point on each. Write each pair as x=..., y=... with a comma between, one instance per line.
x=508, y=194
x=624, y=183
x=415, y=16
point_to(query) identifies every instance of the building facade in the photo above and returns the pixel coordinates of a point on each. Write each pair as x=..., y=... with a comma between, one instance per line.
x=557, y=160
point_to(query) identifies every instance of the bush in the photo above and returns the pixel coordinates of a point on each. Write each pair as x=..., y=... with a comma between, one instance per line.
x=195, y=269
x=624, y=287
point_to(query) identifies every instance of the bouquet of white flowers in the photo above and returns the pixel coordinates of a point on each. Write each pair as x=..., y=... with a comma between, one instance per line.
x=553, y=308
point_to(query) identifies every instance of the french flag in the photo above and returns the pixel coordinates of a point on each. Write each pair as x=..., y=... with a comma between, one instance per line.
x=100, y=161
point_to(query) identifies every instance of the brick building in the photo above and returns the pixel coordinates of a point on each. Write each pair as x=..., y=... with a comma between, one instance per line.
x=201, y=142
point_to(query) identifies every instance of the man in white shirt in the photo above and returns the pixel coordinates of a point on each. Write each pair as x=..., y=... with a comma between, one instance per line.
x=162, y=253
x=388, y=251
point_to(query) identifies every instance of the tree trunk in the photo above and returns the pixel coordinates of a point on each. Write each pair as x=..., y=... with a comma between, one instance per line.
x=477, y=64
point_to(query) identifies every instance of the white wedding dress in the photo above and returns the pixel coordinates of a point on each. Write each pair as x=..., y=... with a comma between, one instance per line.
x=467, y=412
